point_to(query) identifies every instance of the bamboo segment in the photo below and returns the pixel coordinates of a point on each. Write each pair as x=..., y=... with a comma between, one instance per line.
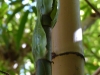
x=67, y=37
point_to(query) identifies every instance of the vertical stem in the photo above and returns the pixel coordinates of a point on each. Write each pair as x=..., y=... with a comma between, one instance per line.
x=48, y=35
x=47, y=30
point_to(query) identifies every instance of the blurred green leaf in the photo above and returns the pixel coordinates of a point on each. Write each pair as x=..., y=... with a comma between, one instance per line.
x=18, y=9
x=91, y=66
x=4, y=35
x=21, y=28
x=83, y=7
x=34, y=10
x=3, y=9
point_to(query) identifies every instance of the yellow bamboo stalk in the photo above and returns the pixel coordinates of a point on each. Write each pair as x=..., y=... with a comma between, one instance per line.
x=67, y=37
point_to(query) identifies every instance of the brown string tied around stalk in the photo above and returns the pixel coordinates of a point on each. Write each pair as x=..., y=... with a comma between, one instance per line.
x=54, y=55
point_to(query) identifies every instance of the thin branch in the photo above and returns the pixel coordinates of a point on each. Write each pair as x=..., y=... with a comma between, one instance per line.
x=4, y=72
x=97, y=72
x=97, y=12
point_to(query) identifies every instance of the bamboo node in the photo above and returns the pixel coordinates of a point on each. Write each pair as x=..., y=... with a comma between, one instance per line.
x=54, y=55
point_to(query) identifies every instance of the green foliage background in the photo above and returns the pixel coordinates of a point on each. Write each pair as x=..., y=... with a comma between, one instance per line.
x=17, y=20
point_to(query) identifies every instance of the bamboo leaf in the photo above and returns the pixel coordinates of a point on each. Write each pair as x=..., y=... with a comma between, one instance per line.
x=21, y=29
x=3, y=9
x=15, y=11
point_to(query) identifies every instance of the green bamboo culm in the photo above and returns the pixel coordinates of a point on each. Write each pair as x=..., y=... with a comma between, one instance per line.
x=47, y=13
